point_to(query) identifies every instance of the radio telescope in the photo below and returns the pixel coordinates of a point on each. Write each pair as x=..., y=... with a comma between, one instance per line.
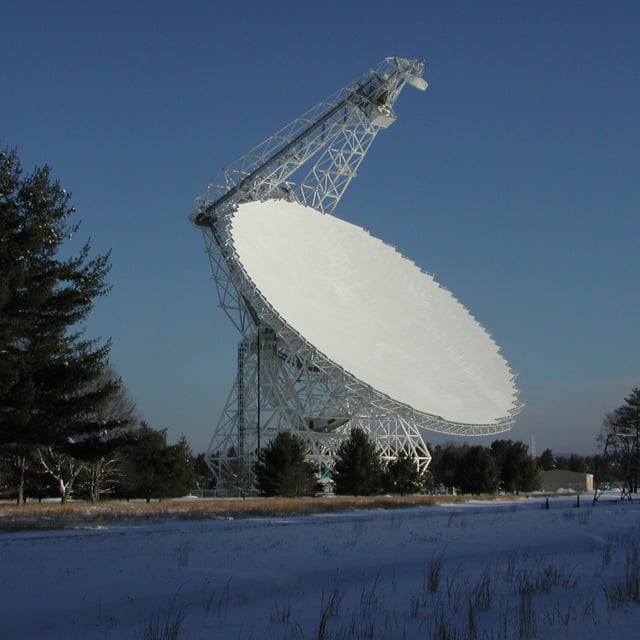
x=338, y=330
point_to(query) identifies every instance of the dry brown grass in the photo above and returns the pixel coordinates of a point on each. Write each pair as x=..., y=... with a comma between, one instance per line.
x=77, y=514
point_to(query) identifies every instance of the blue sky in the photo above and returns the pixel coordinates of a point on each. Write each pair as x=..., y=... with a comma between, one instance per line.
x=514, y=178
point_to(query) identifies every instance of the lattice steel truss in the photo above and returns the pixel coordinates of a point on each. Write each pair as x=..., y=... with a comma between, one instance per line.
x=283, y=383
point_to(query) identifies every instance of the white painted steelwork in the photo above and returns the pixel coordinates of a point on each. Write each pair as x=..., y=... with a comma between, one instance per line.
x=295, y=371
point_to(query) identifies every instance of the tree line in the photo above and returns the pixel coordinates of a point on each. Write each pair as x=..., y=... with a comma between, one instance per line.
x=138, y=464
x=359, y=469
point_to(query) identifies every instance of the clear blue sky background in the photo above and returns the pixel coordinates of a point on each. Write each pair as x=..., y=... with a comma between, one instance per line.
x=514, y=178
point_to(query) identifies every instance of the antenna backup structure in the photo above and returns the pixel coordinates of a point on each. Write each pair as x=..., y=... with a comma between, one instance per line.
x=294, y=279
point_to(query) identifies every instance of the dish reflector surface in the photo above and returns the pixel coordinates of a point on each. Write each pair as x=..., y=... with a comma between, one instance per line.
x=371, y=311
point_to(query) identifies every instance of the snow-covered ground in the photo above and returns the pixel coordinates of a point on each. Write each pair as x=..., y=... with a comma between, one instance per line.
x=472, y=570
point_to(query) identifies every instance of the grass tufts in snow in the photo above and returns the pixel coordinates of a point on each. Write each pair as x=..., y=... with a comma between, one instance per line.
x=328, y=609
x=444, y=629
x=166, y=626
x=371, y=600
x=526, y=616
x=483, y=591
x=220, y=603
x=183, y=552
x=627, y=588
x=434, y=571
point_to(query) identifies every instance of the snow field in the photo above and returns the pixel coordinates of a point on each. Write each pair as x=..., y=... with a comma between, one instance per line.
x=472, y=570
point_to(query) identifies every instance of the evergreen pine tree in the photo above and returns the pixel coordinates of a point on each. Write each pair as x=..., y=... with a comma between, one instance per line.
x=358, y=468
x=477, y=472
x=547, y=461
x=516, y=468
x=150, y=468
x=46, y=364
x=403, y=476
x=283, y=470
x=445, y=463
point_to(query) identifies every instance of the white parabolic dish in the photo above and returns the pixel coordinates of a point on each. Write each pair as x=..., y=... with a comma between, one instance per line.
x=371, y=311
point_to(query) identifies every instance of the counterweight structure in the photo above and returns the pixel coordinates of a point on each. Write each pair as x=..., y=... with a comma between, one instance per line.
x=283, y=382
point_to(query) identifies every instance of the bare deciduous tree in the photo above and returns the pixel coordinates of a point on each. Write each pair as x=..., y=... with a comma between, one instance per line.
x=621, y=431
x=64, y=468
x=101, y=461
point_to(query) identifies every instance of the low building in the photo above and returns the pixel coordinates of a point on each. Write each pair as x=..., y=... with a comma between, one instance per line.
x=558, y=479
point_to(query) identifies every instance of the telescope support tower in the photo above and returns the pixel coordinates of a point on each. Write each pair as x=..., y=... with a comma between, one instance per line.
x=280, y=385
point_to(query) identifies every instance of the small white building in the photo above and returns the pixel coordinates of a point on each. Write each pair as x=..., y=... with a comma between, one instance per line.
x=557, y=479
